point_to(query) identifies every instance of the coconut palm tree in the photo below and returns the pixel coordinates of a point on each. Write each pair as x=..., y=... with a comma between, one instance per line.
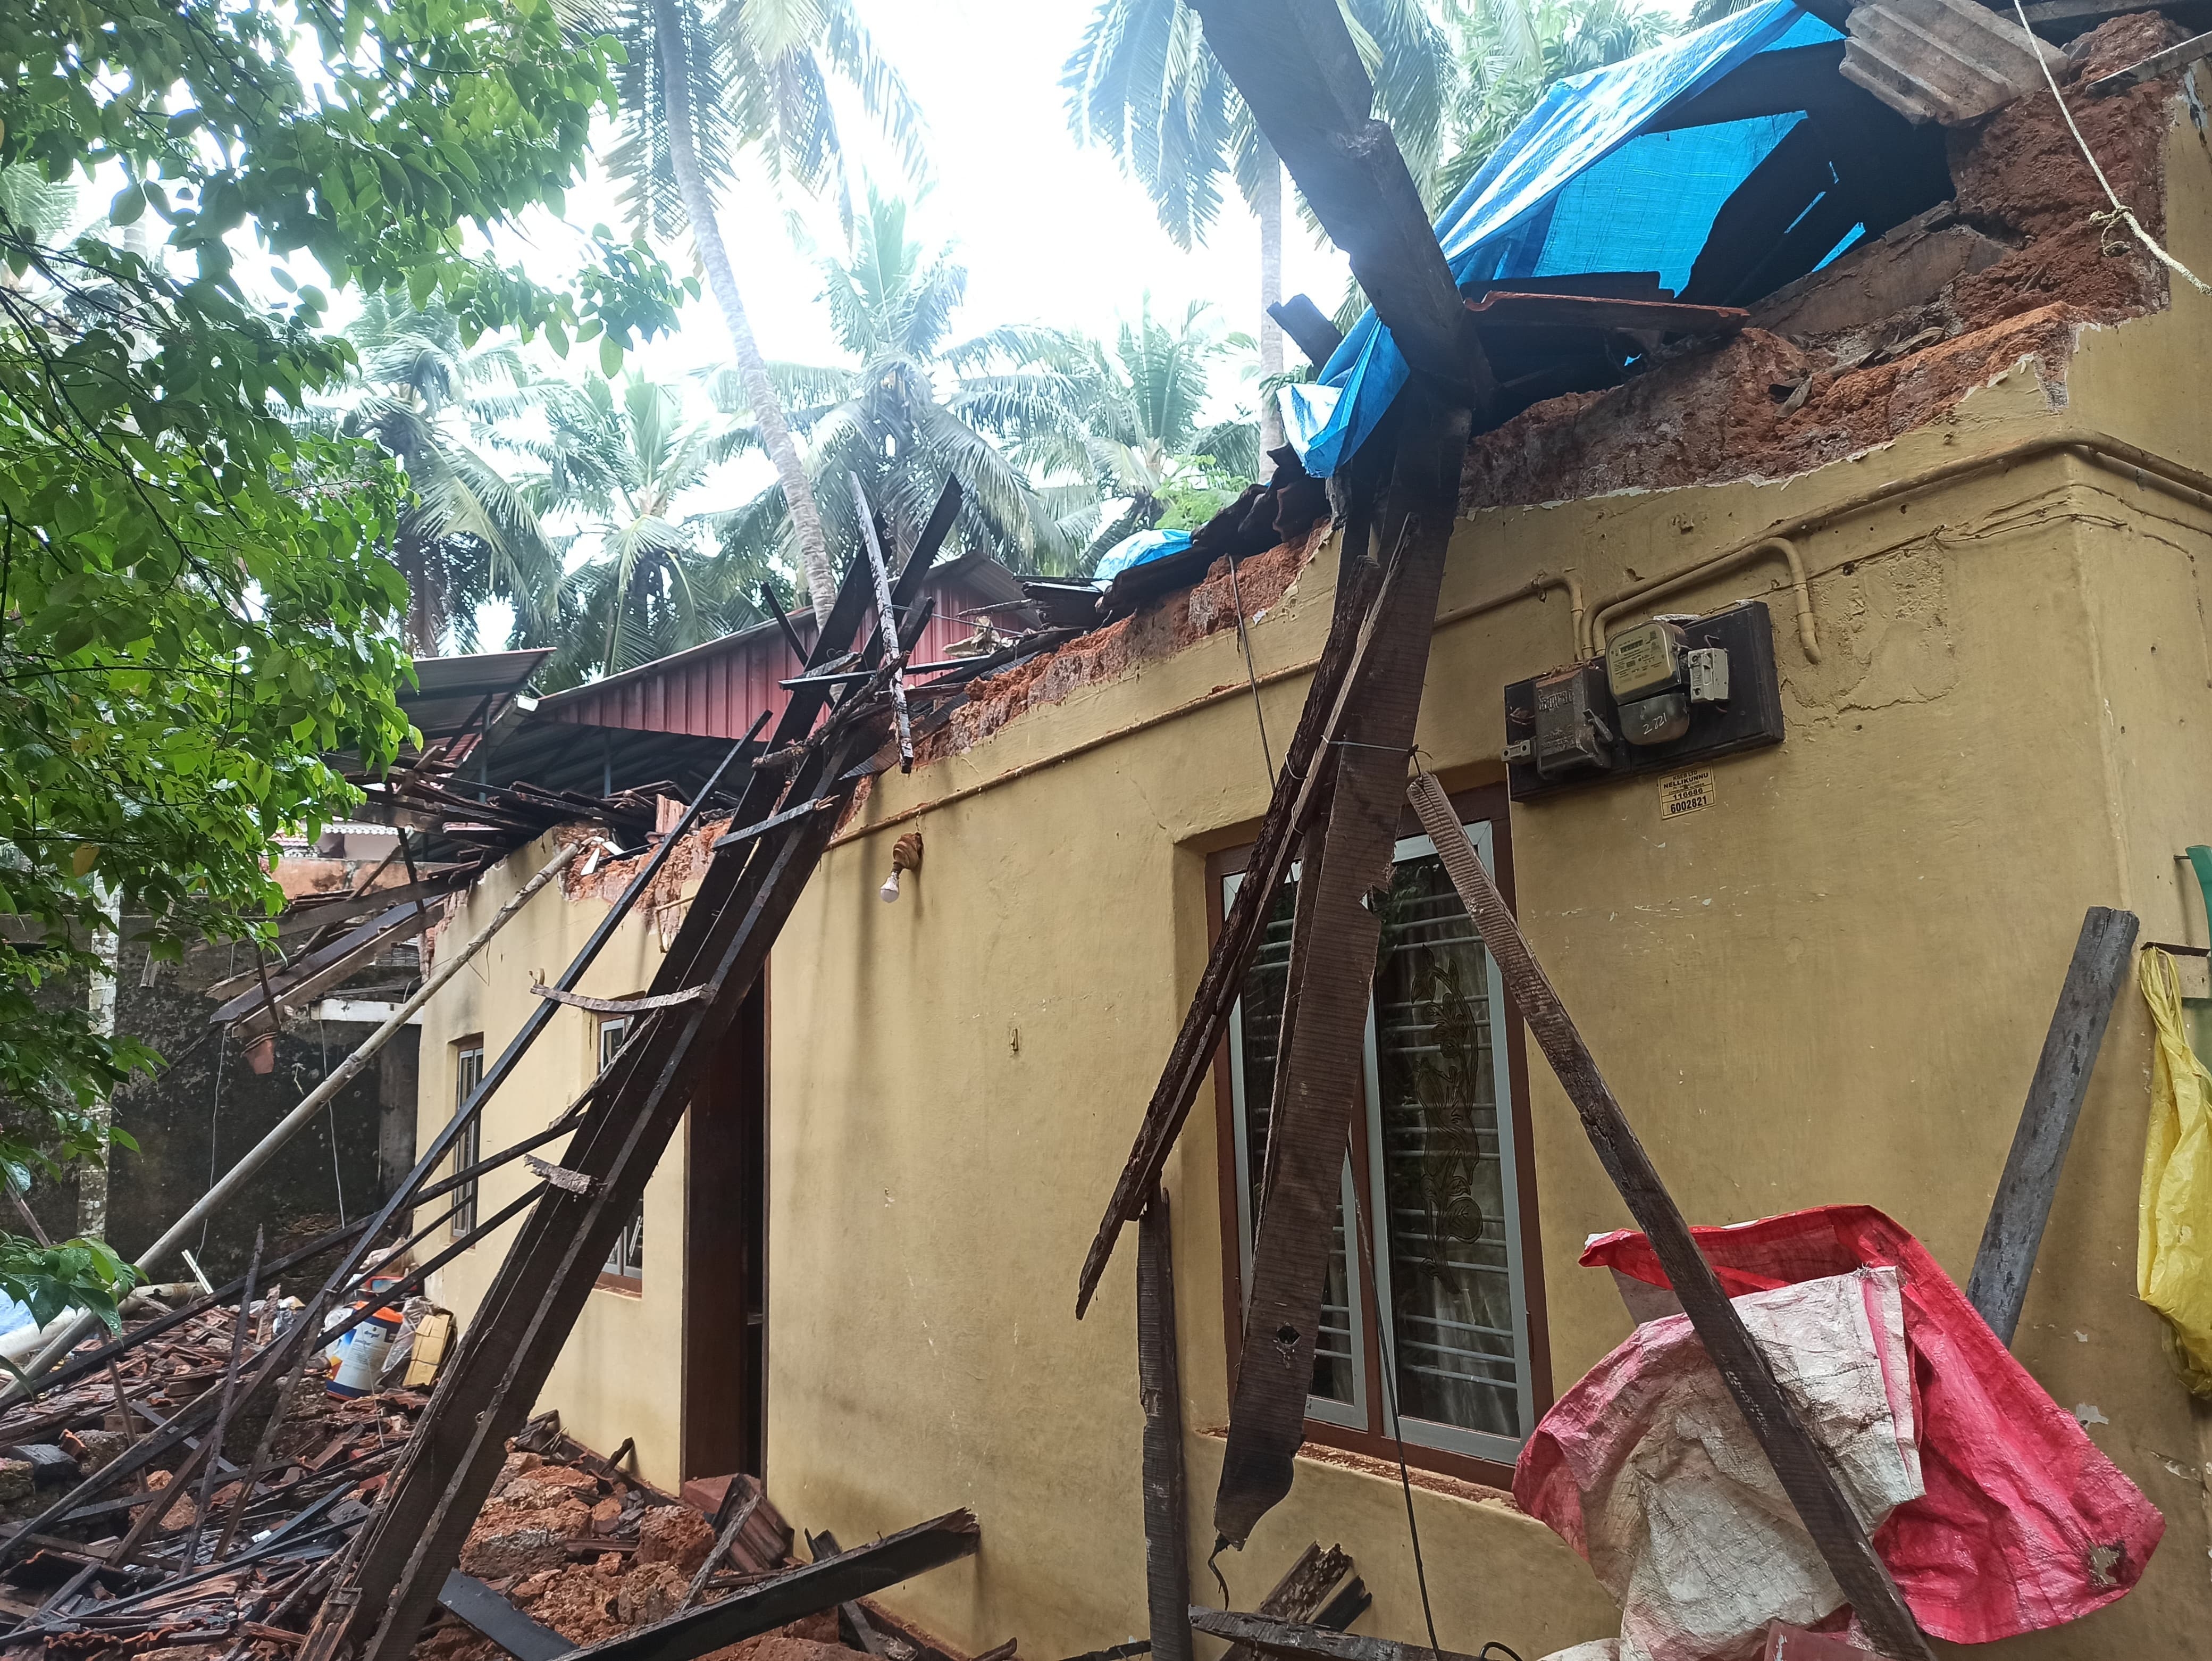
x=1511, y=52
x=1143, y=82
x=913, y=407
x=470, y=535
x=709, y=81
x=616, y=465
x=1142, y=437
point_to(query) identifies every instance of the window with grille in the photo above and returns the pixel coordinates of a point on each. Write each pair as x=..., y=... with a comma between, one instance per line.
x=1429, y=1230
x=625, y=1264
x=468, y=1147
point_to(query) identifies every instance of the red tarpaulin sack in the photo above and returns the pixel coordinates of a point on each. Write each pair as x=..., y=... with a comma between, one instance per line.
x=2025, y=1525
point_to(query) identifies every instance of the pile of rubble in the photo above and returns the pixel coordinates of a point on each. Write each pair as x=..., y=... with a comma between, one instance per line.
x=570, y=1550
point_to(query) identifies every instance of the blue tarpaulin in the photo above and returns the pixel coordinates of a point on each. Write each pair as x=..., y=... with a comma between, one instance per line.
x=1578, y=187
x=1141, y=548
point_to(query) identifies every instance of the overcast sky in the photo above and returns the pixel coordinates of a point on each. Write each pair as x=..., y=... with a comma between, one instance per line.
x=1050, y=232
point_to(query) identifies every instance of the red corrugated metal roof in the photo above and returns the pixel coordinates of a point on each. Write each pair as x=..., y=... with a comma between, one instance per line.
x=720, y=689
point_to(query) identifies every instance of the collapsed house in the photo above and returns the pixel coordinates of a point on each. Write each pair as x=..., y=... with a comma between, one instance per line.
x=1798, y=546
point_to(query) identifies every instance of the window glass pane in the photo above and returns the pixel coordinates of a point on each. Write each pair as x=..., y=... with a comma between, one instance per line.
x=468, y=1147
x=1444, y=1171
x=626, y=1259
x=1259, y=1032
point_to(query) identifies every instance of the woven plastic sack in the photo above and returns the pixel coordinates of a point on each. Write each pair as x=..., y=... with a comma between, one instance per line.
x=2173, y=1237
x=1647, y=1467
x=2025, y=1525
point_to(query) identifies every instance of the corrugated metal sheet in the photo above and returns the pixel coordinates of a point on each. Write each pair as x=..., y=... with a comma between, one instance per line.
x=718, y=689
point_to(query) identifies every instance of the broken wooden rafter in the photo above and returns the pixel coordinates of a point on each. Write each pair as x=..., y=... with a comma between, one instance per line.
x=618, y=1006
x=539, y=1289
x=2180, y=56
x=1298, y=71
x=470, y=1601
x=727, y=1538
x=327, y=966
x=1304, y=1593
x=774, y=822
x=567, y=1181
x=807, y=1589
x=783, y=622
x=1798, y=1463
x=1305, y=1643
x=2103, y=957
x=853, y=1622
x=1318, y=1067
x=1310, y=331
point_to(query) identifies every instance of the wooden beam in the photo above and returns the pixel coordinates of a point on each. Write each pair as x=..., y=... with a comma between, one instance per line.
x=853, y=1627
x=2104, y=955
x=1320, y=1058
x=1295, y=65
x=2179, y=56
x=805, y=1590
x=1302, y=1592
x=1361, y=585
x=327, y=965
x=470, y=1601
x=1305, y=1643
x=1796, y=1458
x=1159, y=1387
x=1307, y=328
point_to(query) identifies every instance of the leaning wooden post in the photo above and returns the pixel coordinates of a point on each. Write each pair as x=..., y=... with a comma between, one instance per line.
x=1159, y=1385
x=2014, y=1233
x=1789, y=1448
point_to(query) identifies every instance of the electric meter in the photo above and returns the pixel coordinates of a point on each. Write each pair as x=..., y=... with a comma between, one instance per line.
x=1655, y=676
x=1672, y=690
x=1571, y=736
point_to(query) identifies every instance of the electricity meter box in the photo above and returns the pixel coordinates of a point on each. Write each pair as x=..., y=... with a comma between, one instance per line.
x=1672, y=690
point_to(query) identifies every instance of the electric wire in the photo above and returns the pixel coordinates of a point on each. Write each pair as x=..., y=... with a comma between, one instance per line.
x=1251, y=673
x=2121, y=212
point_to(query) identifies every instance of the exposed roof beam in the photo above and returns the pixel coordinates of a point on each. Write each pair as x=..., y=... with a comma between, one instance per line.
x=1294, y=63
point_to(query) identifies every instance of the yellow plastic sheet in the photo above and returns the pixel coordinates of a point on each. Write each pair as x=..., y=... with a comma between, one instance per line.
x=2173, y=1241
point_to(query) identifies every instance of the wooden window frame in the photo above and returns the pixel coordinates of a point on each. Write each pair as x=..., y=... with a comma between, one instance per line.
x=1484, y=804
x=468, y=1146
x=628, y=1285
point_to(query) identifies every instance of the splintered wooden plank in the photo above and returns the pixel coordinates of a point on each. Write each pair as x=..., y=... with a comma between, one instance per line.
x=1160, y=1386
x=805, y=1590
x=2102, y=958
x=1804, y=1473
x=1302, y=1592
x=468, y=1599
x=1299, y=73
x=1319, y=1065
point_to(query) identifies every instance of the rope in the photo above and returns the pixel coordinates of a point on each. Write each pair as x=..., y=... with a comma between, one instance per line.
x=2121, y=213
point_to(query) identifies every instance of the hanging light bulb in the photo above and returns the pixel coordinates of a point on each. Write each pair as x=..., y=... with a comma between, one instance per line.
x=906, y=855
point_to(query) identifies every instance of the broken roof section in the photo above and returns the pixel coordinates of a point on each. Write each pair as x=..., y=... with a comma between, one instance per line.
x=1714, y=167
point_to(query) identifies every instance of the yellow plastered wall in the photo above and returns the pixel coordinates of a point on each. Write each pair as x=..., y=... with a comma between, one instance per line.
x=1830, y=985
x=619, y=1374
